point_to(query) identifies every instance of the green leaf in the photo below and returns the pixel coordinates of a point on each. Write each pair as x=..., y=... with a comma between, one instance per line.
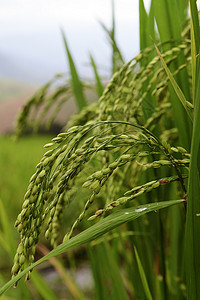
x=192, y=239
x=177, y=89
x=195, y=22
x=117, y=58
x=143, y=25
x=105, y=225
x=99, y=85
x=193, y=55
x=169, y=19
x=146, y=33
x=170, y=22
x=195, y=44
x=143, y=276
x=147, y=30
x=42, y=287
x=76, y=82
x=107, y=276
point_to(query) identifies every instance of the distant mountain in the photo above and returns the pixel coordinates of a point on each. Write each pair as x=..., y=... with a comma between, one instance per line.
x=12, y=89
x=13, y=95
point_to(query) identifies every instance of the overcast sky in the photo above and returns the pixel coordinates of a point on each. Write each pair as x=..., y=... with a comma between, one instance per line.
x=30, y=33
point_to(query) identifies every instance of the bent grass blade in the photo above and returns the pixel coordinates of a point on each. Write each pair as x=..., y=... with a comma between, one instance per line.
x=107, y=224
x=177, y=89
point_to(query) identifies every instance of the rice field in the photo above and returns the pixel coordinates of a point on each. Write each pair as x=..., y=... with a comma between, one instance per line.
x=120, y=184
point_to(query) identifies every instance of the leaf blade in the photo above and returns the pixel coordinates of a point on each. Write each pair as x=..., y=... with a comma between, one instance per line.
x=143, y=276
x=114, y=220
x=76, y=82
x=176, y=87
x=99, y=86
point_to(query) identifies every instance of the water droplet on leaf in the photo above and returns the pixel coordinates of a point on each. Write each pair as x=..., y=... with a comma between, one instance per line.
x=140, y=209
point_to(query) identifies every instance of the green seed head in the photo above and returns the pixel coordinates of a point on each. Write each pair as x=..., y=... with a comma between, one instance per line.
x=30, y=241
x=47, y=234
x=35, y=190
x=25, y=204
x=155, y=165
x=181, y=150
x=20, y=227
x=79, y=151
x=165, y=162
x=73, y=129
x=92, y=218
x=32, y=199
x=122, y=200
x=49, y=153
x=48, y=145
x=20, y=248
x=98, y=175
x=86, y=184
x=99, y=212
x=15, y=268
x=155, y=185
x=63, y=134
x=27, y=195
x=28, y=276
x=22, y=259
x=41, y=174
x=113, y=165
x=95, y=185
x=106, y=171
x=33, y=177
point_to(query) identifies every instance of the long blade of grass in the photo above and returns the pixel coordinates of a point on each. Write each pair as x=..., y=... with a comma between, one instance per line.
x=168, y=19
x=195, y=22
x=176, y=87
x=143, y=276
x=143, y=25
x=99, y=85
x=117, y=58
x=76, y=82
x=151, y=23
x=193, y=209
x=195, y=44
x=193, y=55
x=42, y=287
x=192, y=240
x=175, y=261
x=108, y=280
x=114, y=43
x=107, y=224
x=146, y=32
x=170, y=23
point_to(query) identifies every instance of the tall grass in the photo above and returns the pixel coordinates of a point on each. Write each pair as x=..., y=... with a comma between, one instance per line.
x=120, y=163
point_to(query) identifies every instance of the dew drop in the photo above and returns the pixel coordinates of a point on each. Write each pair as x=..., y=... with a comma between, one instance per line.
x=140, y=209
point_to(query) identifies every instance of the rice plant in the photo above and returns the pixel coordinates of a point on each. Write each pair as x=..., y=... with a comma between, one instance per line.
x=121, y=161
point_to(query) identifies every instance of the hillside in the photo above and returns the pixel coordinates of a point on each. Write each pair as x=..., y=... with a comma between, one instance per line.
x=13, y=95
